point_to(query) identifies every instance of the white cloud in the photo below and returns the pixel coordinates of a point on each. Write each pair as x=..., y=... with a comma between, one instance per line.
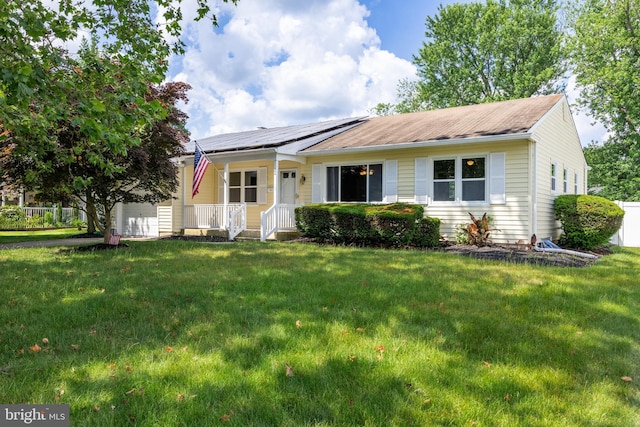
x=281, y=62
x=588, y=129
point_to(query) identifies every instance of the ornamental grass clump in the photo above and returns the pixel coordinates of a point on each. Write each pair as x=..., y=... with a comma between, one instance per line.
x=587, y=221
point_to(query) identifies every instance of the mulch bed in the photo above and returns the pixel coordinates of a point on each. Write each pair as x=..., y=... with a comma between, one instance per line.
x=101, y=247
x=518, y=255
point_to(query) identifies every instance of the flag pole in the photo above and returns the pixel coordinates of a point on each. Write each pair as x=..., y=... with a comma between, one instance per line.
x=210, y=162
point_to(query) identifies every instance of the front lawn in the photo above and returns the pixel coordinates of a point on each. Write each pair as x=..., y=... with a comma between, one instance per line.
x=177, y=333
x=36, y=235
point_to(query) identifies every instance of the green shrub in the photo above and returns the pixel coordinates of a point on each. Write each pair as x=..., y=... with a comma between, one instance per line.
x=587, y=221
x=35, y=221
x=394, y=229
x=314, y=221
x=393, y=224
x=427, y=233
x=351, y=224
x=12, y=217
x=48, y=218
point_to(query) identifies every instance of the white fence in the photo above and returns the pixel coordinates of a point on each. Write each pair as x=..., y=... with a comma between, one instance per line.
x=39, y=217
x=629, y=233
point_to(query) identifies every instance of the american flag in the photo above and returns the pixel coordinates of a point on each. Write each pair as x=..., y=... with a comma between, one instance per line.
x=200, y=165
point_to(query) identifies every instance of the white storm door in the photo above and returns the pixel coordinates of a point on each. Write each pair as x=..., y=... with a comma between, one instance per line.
x=288, y=186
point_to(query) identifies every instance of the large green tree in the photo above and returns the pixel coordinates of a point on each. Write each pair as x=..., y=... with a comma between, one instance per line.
x=99, y=94
x=482, y=52
x=144, y=173
x=615, y=170
x=605, y=58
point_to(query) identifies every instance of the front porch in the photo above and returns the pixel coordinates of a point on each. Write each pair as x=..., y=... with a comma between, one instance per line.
x=277, y=222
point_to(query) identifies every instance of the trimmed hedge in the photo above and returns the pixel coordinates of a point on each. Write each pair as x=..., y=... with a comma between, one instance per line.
x=397, y=224
x=587, y=221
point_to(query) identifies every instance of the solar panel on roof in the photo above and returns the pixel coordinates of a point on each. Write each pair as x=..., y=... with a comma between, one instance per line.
x=270, y=137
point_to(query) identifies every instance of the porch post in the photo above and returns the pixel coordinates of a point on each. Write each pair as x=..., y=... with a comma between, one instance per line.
x=276, y=182
x=225, y=220
x=21, y=198
x=3, y=198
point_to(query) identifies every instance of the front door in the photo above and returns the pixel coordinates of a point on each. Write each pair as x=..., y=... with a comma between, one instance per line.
x=288, y=186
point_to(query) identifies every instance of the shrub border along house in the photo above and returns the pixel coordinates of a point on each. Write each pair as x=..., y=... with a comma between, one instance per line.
x=389, y=225
x=587, y=221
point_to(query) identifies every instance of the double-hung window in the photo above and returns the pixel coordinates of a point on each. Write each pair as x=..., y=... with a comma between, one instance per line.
x=354, y=183
x=460, y=179
x=243, y=186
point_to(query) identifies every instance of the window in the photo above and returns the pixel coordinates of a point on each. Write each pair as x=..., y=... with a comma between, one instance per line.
x=553, y=177
x=444, y=180
x=243, y=187
x=565, y=181
x=468, y=174
x=473, y=179
x=354, y=183
x=575, y=183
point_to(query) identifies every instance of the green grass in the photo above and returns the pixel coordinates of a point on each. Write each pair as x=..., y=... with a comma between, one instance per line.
x=35, y=235
x=170, y=333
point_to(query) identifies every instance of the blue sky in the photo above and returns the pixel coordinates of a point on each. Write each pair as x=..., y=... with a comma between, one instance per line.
x=283, y=62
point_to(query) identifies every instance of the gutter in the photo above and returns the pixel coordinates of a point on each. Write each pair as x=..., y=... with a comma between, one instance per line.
x=232, y=154
x=421, y=144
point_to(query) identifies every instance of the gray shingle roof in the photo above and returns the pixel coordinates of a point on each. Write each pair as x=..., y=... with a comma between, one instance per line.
x=497, y=118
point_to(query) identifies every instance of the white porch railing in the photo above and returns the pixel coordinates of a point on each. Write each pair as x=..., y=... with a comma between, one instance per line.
x=237, y=220
x=213, y=217
x=277, y=217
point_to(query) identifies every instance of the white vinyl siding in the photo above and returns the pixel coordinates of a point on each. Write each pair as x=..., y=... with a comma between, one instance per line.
x=414, y=168
x=557, y=143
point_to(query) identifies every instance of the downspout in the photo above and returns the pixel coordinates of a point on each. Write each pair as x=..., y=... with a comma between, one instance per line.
x=534, y=189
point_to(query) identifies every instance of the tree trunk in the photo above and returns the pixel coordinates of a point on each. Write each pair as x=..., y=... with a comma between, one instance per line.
x=90, y=209
x=107, y=226
x=91, y=226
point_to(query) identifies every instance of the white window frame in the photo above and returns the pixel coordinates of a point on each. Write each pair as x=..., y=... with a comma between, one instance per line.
x=576, y=177
x=243, y=185
x=565, y=180
x=367, y=163
x=554, y=177
x=458, y=180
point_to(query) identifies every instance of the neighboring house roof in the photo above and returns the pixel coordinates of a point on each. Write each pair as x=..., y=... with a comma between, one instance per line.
x=297, y=137
x=514, y=117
